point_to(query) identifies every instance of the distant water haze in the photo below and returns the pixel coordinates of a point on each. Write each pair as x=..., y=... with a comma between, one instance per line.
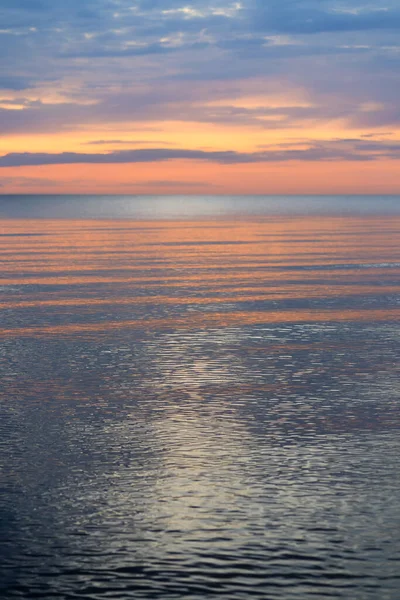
x=199, y=398
x=166, y=207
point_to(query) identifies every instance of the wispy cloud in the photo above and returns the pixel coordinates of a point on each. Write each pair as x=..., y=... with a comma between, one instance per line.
x=126, y=142
x=332, y=150
x=171, y=183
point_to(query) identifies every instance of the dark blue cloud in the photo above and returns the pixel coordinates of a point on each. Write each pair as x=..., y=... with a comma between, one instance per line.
x=123, y=156
x=15, y=83
x=357, y=149
x=301, y=17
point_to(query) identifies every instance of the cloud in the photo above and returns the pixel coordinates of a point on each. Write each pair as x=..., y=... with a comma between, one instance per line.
x=335, y=94
x=302, y=17
x=26, y=182
x=178, y=183
x=118, y=52
x=142, y=155
x=126, y=142
x=15, y=83
x=357, y=149
x=123, y=62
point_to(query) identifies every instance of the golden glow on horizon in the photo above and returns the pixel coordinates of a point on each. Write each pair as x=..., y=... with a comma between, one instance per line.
x=249, y=131
x=182, y=134
x=201, y=177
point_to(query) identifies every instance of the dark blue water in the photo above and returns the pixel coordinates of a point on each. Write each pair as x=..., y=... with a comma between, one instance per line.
x=199, y=400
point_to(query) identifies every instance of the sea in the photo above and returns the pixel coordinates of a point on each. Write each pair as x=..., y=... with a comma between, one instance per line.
x=200, y=397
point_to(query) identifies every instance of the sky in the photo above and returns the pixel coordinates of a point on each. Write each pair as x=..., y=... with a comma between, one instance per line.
x=200, y=96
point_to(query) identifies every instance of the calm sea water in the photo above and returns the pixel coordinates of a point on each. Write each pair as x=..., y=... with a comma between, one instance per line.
x=200, y=398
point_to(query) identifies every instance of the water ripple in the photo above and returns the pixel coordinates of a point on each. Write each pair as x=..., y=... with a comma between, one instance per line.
x=199, y=410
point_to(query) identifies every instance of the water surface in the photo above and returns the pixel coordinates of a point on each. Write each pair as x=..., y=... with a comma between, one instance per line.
x=199, y=407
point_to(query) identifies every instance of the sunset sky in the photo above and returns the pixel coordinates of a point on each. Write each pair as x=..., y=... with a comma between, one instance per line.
x=200, y=96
